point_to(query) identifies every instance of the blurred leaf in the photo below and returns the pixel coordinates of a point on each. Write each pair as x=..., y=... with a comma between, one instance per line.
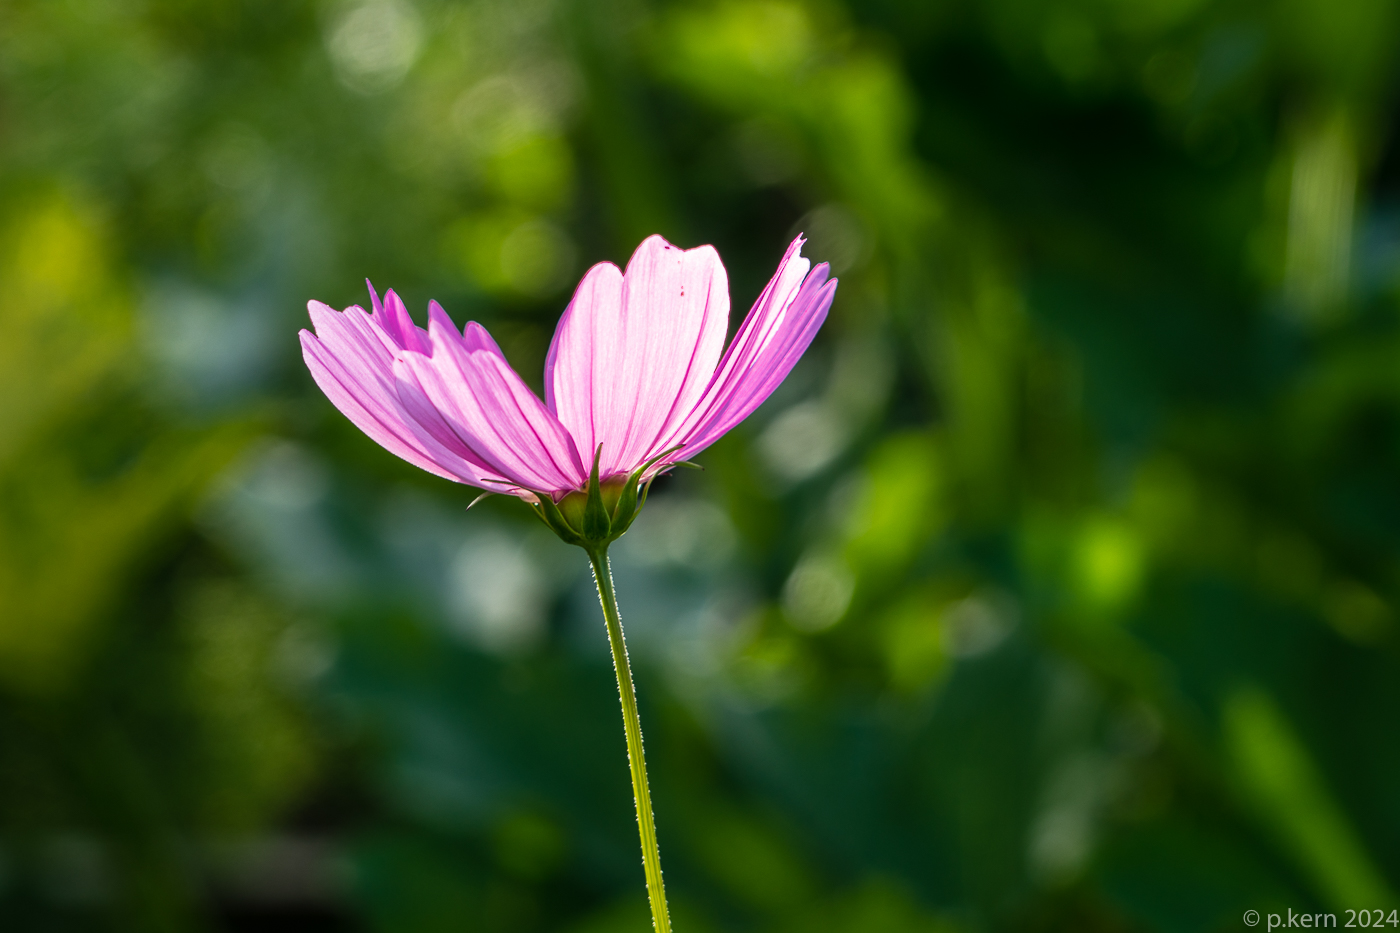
x=1276, y=772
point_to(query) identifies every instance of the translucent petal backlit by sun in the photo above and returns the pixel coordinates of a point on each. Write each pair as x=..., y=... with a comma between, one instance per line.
x=637, y=375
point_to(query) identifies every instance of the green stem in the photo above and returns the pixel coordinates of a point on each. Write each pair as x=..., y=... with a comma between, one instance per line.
x=651, y=855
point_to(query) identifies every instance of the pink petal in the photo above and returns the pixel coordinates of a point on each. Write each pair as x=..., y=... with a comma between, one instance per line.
x=769, y=343
x=355, y=370
x=488, y=413
x=393, y=317
x=634, y=352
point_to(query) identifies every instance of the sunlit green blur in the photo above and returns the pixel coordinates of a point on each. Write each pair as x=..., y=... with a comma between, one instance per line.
x=1054, y=591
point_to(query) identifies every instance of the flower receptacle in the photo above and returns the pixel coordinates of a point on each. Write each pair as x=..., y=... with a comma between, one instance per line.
x=594, y=517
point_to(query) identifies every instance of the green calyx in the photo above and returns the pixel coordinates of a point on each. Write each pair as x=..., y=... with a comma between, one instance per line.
x=596, y=517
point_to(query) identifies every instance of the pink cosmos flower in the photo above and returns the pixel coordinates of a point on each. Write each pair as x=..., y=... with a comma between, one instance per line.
x=637, y=373
x=637, y=380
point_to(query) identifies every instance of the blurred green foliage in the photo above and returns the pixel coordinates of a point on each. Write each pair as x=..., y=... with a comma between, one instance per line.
x=1055, y=590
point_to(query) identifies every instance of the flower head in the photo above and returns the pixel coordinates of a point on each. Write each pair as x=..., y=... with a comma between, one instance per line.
x=637, y=380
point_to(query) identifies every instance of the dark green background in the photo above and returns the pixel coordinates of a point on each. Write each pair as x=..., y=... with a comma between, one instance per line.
x=1055, y=590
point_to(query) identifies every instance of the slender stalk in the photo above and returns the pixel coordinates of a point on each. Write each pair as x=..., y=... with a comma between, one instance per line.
x=641, y=792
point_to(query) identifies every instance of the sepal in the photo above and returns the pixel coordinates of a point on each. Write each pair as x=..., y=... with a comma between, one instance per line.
x=549, y=514
x=597, y=523
x=631, y=502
